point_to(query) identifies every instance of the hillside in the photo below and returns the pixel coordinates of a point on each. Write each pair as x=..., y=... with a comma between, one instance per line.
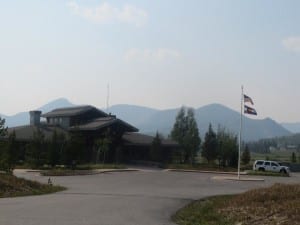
x=216, y=114
x=293, y=127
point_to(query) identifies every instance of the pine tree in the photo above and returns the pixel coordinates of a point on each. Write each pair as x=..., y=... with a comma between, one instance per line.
x=103, y=146
x=209, y=148
x=11, y=152
x=192, y=139
x=294, y=158
x=179, y=131
x=156, y=149
x=36, y=150
x=185, y=132
x=246, y=156
x=55, y=148
x=3, y=129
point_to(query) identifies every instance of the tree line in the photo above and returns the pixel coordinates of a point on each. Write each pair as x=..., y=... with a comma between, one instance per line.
x=221, y=146
x=58, y=150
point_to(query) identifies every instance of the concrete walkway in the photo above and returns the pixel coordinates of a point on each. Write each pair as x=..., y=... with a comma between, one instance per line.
x=147, y=197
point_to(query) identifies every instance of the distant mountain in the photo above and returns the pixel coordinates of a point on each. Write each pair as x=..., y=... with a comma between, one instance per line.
x=149, y=120
x=22, y=118
x=293, y=127
x=131, y=113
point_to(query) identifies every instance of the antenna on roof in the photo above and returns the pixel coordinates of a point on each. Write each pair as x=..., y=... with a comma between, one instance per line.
x=107, y=98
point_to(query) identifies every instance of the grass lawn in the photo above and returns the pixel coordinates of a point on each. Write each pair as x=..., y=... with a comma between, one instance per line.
x=11, y=186
x=280, y=156
x=278, y=204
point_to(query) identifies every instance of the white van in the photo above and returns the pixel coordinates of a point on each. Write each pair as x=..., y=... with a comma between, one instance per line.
x=271, y=166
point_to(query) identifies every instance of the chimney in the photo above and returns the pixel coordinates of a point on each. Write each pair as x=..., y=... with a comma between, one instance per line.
x=35, y=117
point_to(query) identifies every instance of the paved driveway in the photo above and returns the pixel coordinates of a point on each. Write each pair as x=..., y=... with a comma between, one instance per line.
x=147, y=197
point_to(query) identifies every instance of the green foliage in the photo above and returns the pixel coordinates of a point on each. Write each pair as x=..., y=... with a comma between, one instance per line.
x=210, y=145
x=262, y=146
x=185, y=132
x=227, y=148
x=246, y=156
x=55, y=148
x=8, y=149
x=192, y=139
x=156, y=153
x=74, y=150
x=36, y=149
x=9, y=155
x=3, y=129
x=294, y=158
x=103, y=146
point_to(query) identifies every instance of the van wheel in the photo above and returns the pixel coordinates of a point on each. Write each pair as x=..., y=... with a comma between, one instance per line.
x=283, y=171
x=261, y=169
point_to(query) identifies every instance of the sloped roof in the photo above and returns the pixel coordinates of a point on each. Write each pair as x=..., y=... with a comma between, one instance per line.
x=103, y=122
x=26, y=132
x=142, y=139
x=72, y=111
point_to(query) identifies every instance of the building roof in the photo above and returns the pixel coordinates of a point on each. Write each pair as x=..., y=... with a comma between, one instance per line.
x=142, y=139
x=103, y=122
x=73, y=111
x=25, y=133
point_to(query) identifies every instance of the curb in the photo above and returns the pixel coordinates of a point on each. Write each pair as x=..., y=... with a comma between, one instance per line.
x=237, y=179
x=205, y=171
x=91, y=172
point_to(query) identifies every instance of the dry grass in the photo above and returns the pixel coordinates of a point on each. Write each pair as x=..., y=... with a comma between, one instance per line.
x=279, y=204
x=276, y=205
x=11, y=186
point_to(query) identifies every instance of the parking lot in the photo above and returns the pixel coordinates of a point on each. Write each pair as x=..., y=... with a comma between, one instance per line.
x=144, y=197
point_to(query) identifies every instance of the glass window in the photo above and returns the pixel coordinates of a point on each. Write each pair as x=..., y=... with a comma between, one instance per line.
x=274, y=164
x=267, y=163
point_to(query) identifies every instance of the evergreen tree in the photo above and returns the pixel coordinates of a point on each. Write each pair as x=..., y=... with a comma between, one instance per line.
x=209, y=148
x=192, y=139
x=11, y=153
x=156, y=149
x=8, y=150
x=36, y=150
x=227, y=150
x=185, y=132
x=3, y=132
x=103, y=146
x=294, y=158
x=179, y=131
x=75, y=149
x=246, y=156
x=3, y=129
x=55, y=148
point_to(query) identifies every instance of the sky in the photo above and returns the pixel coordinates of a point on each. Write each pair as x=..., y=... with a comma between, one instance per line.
x=155, y=53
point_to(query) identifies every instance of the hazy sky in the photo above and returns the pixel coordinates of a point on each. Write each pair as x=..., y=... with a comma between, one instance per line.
x=156, y=53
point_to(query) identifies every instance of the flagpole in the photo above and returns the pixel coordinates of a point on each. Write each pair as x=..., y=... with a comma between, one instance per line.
x=240, y=136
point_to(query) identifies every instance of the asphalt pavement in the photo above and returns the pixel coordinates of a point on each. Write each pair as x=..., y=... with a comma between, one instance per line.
x=145, y=197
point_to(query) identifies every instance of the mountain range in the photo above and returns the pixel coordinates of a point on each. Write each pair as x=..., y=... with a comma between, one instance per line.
x=149, y=120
